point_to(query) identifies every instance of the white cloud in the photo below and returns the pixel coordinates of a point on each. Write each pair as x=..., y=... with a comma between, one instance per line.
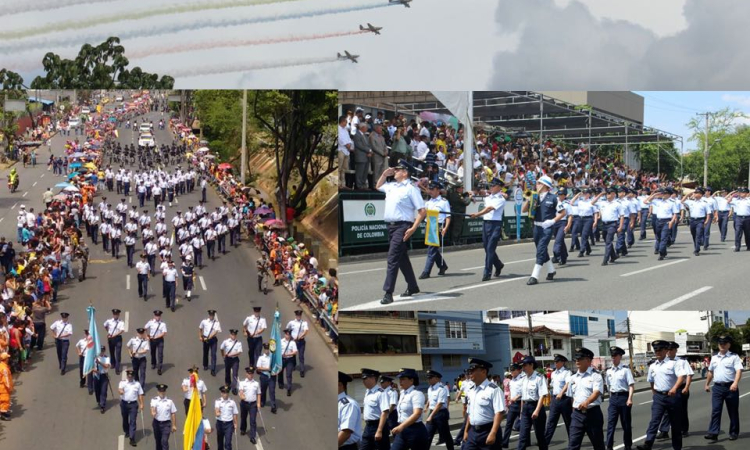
x=743, y=100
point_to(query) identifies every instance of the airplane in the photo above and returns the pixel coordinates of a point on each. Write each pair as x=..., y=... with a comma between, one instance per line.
x=403, y=2
x=371, y=28
x=348, y=56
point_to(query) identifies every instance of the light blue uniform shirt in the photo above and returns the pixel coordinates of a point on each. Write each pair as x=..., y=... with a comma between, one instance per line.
x=411, y=399
x=633, y=206
x=641, y=203
x=722, y=204
x=573, y=211
x=516, y=386
x=684, y=367
x=437, y=393
x=619, y=378
x=664, y=374
x=661, y=208
x=438, y=204
x=610, y=211
x=698, y=208
x=485, y=401
x=466, y=387
x=497, y=201
x=392, y=395
x=566, y=206
x=534, y=386
x=402, y=201
x=711, y=204
x=584, y=384
x=724, y=367
x=741, y=206
x=376, y=401
x=350, y=418
x=676, y=205
x=585, y=208
x=558, y=380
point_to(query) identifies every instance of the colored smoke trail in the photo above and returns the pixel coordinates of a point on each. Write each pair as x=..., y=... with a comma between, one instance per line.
x=46, y=5
x=246, y=67
x=158, y=30
x=151, y=51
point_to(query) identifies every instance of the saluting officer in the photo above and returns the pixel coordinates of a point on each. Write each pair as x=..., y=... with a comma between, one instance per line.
x=739, y=200
x=62, y=330
x=663, y=221
x=712, y=214
x=375, y=414
x=533, y=391
x=231, y=349
x=208, y=329
x=485, y=411
x=187, y=390
x=722, y=213
x=437, y=405
x=131, y=401
x=587, y=418
x=349, y=417
x=156, y=331
x=559, y=249
x=700, y=217
x=138, y=348
x=684, y=389
x=404, y=211
x=164, y=413
x=612, y=217
x=492, y=228
x=253, y=327
x=514, y=407
x=410, y=433
x=249, y=402
x=115, y=327
x=665, y=376
x=621, y=386
x=562, y=403
x=299, y=329
x=725, y=370
x=437, y=203
x=226, y=419
x=546, y=216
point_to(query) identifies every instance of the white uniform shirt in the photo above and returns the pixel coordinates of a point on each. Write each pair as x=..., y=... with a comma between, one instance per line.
x=62, y=330
x=350, y=418
x=208, y=327
x=375, y=402
x=619, y=378
x=411, y=399
x=231, y=347
x=131, y=390
x=297, y=327
x=698, y=208
x=533, y=387
x=439, y=204
x=437, y=393
x=558, y=380
x=402, y=201
x=227, y=409
x=164, y=408
x=254, y=325
x=189, y=393
x=724, y=367
x=142, y=267
x=154, y=328
x=114, y=327
x=485, y=400
x=251, y=389
x=497, y=201
x=139, y=346
x=584, y=384
x=288, y=348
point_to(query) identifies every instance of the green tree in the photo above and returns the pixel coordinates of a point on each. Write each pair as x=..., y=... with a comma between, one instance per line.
x=663, y=157
x=220, y=113
x=12, y=85
x=719, y=329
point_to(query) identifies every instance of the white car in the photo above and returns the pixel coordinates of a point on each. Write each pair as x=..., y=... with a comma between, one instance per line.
x=74, y=121
x=85, y=110
x=145, y=128
x=146, y=140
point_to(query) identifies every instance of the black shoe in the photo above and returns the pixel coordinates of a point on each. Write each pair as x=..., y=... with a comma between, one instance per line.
x=605, y=263
x=102, y=409
x=153, y=367
x=572, y=249
x=242, y=432
x=213, y=373
x=205, y=369
x=82, y=386
x=685, y=433
x=91, y=392
x=159, y=371
x=555, y=260
x=663, y=435
x=132, y=443
x=629, y=245
x=443, y=270
x=696, y=253
x=615, y=258
x=302, y=374
x=644, y=447
x=563, y=263
x=580, y=255
x=498, y=271
x=487, y=278
x=273, y=410
x=732, y=437
x=424, y=276
x=289, y=393
x=252, y=440
x=234, y=391
x=532, y=281
x=705, y=248
x=711, y=437
x=409, y=292
x=656, y=252
x=588, y=252
x=172, y=309
x=661, y=258
x=62, y=372
x=551, y=276
x=387, y=299
x=736, y=249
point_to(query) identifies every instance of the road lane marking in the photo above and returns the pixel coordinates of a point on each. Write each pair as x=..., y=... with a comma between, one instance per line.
x=24, y=194
x=127, y=281
x=127, y=320
x=509, y=262
x=634, y=440
x=121, y=441
x=361, y=271
x=41, y=176
x=744, y=395
x=646, y=403
x=659, y=266
x=203, y=283
x=14, y=205
x=34, y=184
x=2, y=218
x=682, y=298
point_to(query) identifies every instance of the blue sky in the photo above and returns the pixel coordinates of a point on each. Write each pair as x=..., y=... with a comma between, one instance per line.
x=671, y=110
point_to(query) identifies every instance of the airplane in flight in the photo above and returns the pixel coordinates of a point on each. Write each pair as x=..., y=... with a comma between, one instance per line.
x=403, y=2
x=371, y=28
x=347, y=55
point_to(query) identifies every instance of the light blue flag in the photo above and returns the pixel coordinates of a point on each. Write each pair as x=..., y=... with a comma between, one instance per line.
x=274, y=344
x=92, y=343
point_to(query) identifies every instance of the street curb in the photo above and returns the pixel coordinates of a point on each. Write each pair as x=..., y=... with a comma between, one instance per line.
x=423, y=251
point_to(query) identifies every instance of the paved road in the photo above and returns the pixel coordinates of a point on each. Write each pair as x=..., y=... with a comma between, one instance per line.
x=52, y=412
x=636, y=282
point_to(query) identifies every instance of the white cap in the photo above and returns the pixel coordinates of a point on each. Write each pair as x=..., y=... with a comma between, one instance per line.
x=545, y=180
x=23, y=206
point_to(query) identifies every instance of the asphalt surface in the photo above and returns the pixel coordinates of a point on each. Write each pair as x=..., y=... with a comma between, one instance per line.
x=635, y=282
x=51, y=411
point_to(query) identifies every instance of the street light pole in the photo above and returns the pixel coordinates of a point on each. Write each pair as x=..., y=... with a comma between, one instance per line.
x=705, y=150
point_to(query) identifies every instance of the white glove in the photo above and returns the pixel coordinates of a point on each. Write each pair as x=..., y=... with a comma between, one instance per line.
x=548, y=223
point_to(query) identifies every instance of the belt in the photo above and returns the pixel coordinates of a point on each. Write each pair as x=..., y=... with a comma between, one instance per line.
x=163, y=421
x=584, y=217
x=494, y=221
x=482, y=428
x=722, y=384
x=607, y=223
x=698, y=218
x=662, y=392
x=742, y=217
x=612, y=394
x=127, y=402
x=372, y=422
x=398, y=222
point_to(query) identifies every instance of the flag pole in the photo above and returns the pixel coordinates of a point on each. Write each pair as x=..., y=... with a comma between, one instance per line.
x=143, y=425
x=265, y=430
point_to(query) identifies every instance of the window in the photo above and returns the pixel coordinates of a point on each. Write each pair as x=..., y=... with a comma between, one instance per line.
x=579, y=326
x=611, y=327
x=455, y=330
x=576, y=343
x=426, y=362
x=557, y=344
x=452, y=361
x=594, y=319
x=378, y=344
x=518, y=342
x=540, y=347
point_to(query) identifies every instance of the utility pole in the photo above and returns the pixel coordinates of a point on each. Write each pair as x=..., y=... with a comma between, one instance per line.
x=705, y=149
x=243, y=159
x=630, y=345
x=531, y=336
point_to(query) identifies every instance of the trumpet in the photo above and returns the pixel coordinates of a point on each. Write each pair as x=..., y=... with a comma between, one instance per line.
x=529, y=194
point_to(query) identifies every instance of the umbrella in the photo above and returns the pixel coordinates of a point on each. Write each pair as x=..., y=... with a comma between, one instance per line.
x=72, y=175
x=60, y=197
x=203, y=149
x=71, y=189
x=75, y=165
x=63, y=185
x=224, y=166
x=263, y=210
x=279, y=225
x=90, y=165
x=77, y=155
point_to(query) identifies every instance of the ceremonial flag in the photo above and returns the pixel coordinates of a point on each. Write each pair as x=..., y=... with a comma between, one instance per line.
x=193, y=431
x=92, y=343
x=432, y=232
x=274, y=344
x=117, y=134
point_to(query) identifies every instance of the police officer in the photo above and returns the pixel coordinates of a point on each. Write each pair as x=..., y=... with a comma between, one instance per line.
x=253, y=328
x=663, y=218
x=514, y=406
x=267, y=379
x=349, y=416
x=588, y=215
x=115, y=327
x=486, y=408
x=587, y=386
x=208, y=330
x=684, y=397
x=375, y=414
x=458, y=201
x=164, y=413
x=81, y=347
x=678, y=209
x=389, y=391
x=545, y=216
x=740, y=202
x=492, y=228
x=665, y=376
x=434, y=255
x=131, y=401
x=612, y=219
x=465, y=387
x=231, y=349
x=437, y=405
x=725, y=370
x=288, y=360
x=410, y=433
x=156, y=330
x=143, y=268
x=533, y=391
x=226, y=419
x=712, y=213
x=188, y=272
x=170, y=278
x=299, y=328
x=187, y=390
x=559, y=249
x=643, y=212
x=562, y=403
x=249, y=402
x=700, y=217
x=101, y=379
x=621, y=386
x=62, y=330
x=138, y=348
x=723, y=210
x=404, y=211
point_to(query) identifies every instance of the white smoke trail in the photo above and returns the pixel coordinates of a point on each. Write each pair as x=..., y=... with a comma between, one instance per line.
x=246, y=67
x=45, y=5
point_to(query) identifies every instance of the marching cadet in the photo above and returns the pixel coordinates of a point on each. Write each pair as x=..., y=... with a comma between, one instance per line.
x=207, y=331
x=434, y=255
x=156, y=331
x=723, y=210
x=299, y=329
x=545, y=216
x=249, y=402
x=131, y=401
x=437, y=405
x=700, y=217
x=684, y=389
x=188, y=272
x=663, y=219
x=386, y=383
x=588, y=215
x=486, y=407
x=533, y=391
x=164, y=413
x=288, y=361
x=129, y=247
x=144, y=273
x=621, y=386
x=349, y=416
x=643, y=212
x=410, y=433
x=62, y=330
x=188, y=391
x=465, y=387
x=115, y=327
x=267, y=379
x=101, y=379
x=562, y=403
x=226, y=419
x=725, y=370
x=138, y=348
x=678, y=209
x=587, y=418
x=620, y=244
x=559, y=250
x=612, y=218
x=712, y=214
x=170, y=278
x=739, y=200
x=231, y=349
x=665, y=376
x=514, y=407
x=492, y=228
x=253, y=327
x=375, y=413
x=81, y=346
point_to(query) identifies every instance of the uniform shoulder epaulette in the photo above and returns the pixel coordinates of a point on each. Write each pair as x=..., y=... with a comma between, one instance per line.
x=380, y=389
x=344, y=401
x=492, y=385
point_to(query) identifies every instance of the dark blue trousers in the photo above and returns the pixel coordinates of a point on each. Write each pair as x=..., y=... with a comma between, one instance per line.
x=224, y=434
x=301, y=354
x=610, y=229
x=254, y=348
x=723, y=222
x=618, y=409
x=88, y=381
x=129, y=251
x=287, y=367
x=398, y=258
x=741, y=226
x=368, y=441
x=673, y=236
x=541, y=240
x=630, y=232
x=514, y=412
x=115, y=350
x=477, y=438
x=62, y=346
x=139, y=370
x=171, y=288
x=434, y=257
x=589, y=423
x=621, y=247
x=587, y=230
x=559, y=250
x=412, y=438
x=683, y=410
x=707, y=233
x=142, y=285
x=129, y=412
x=644, y=220
x=662, y=236
x=524, y=435
x=267, y=383
x=696, y=230
x=492, y=232
x=231, y=371
x=562, y=407
x=209, y=346
x=439, y=425
x=575, y=233
x=665, y=404
x=251, y=409
x=721, y=394
x=157, y=353
x=162, y=430
x=101, y=385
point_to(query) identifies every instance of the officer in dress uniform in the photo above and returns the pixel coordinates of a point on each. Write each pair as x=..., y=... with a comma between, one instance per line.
x=410, y=433
x=621, y=386
x=643, y=212
x=349, y=416
x=612, y=219
x=131, y=401
x=486, y=408
x=434, y=256
x=533, y=391
x=684, y=395
x=700, y=217
x=226, y=419
x=562, y=403
x=514, y=407
x=725, y=370
x=208, y=329
x=559, y=249
x=188, y=271
x=156, y=330
x=81, y=347
x=115, y=327
x=665, y=376
x=663, y=218
x=375, y=413
x=386, y=383
x=143, y=268
x=267, y=379
x=101, y=378
x=404, y=211
x=546, y=216
x=138, y=348
x=249, y=402
x=62, y=330
x=740, y=201
x=170, y=278
x=437, y=405
x=253, y=327
x=164, y=413
x=677, y=208
x=492, y=228
x=575, y=225
x=187, y=390
x=299, y=329
x=722, y=213
x=587, y=386
x=588, y=214
x=231, y=349
x=465, y=388
x=288, y=360
x=711, y=202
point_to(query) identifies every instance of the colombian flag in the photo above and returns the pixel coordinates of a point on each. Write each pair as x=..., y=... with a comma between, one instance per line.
x=193, y=431
x=432, y=233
